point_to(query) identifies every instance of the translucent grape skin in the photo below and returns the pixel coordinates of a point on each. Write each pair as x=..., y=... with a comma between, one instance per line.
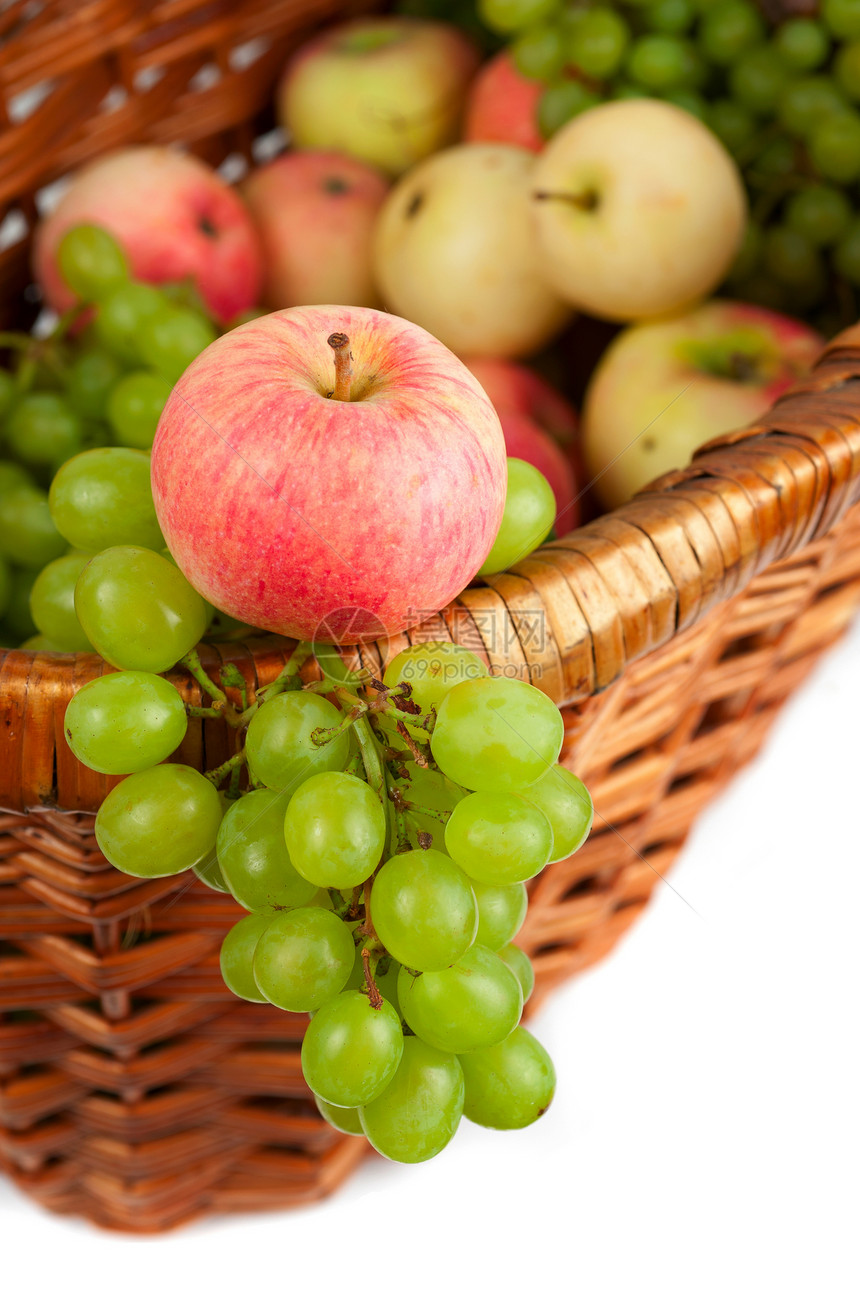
x=303, y=958
x=43, y=430
x=28, y=535
x=138, y=610
x=91, y=261
x=159, y=822
x=528, y=517
x=209, y=873
x=237, y=957
x=170, y=338
x=510, y=1085
x=351, y=1051
x=496, y=734
x=432, y=669
x=499, y=838
x=343, y=1119
x=89, y=380
x=424, y=910
x=253, y=855
x=335, y=830
x=280, y=751
x=103, y=498
x=125, y=722
x=567, y=804
x=520, y=964
x=501, y=911
x=134, y=407
x=475, y=1003
x=418, y=1113
x=121, y=315
x=52, y=602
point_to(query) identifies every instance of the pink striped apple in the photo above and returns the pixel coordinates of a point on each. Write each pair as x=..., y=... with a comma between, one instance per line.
x=329, y=489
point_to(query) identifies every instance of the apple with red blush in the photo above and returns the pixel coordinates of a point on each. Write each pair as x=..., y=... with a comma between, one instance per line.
x=502, y=106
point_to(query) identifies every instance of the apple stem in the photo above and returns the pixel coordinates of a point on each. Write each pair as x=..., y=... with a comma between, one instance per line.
x=586, y=201
x=339, y=343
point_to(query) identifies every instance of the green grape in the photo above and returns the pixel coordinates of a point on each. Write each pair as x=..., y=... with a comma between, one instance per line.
x=351, y=1051
x=135, y=406
x=303, y=958
x=432, y=669
x=598, y=43
x=418, y=1113
x=253, y=854
x=567, y=805
x=38, y=642
x=43, y=430
x=506, y=16
x=335, y=830
x=18, y=619
x=790, y=258
x=501, y=911
x=89, y=381
x=121, y=315
x=662, y=63
x=731, y=122
x=496, y=733
x=280, y=750
x=138, y=610
x=749, y=254
x=842, y=17
x=91, y=262
x=671, y=17
x=424, y=910
x=807, y=102
x=125, y=722
x=820, y=213
x=429, y=789
x=171, y=338
x=5, y=587
x=802, y=43
x=834, y=148
x=623, y=90
x=237, y=956
x=690, y=100
x=846, y=258
x=728, y=30
x=528, y=517
x=13, y=476
x=52, y=602
x=520, y=964
x=209, y=872
x=561, y=102
x=475, y=1003
x=539, y=53
x=28, y=536
x=499, y=838
x=342, y=1119
x=159, y=821
x=758, y=79
x=776, y=160
x=846, y=71
x=103, y=498
x=510, y=1085
x=8, y=392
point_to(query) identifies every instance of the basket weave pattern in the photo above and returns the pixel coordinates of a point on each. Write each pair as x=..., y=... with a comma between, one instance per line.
x=133, y=1088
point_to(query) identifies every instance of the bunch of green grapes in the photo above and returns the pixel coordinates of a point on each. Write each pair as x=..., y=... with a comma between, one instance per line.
x=78, y=414
x=379, y=837
x=784, y=99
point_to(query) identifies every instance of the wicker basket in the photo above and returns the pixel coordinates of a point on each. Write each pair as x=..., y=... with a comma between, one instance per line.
x=133, y=1088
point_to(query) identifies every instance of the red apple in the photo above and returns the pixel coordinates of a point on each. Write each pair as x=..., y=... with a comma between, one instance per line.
x=175, y=217
x=664, y=388
x=502, y=105
x=310, y=506
x=525, y=439
x=315, y=212
x=514, y=387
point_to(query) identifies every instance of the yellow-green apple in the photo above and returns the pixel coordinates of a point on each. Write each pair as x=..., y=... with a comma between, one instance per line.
x=455, y=250
x=665, y=387
x=329, y=472
x=639, y=209
x=175, y=218
x=502, y=106
x=388, y=90
x=315, y=213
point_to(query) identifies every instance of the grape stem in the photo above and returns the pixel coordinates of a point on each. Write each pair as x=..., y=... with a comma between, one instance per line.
x=195, y=711
x=417, y=753
x=217, y=775
x=341, y=907
x=373, y=991
x=192, y=662
x=325, y=735
x=438, y=814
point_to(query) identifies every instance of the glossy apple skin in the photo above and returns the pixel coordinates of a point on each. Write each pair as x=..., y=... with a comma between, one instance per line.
x=455, y=251
x=320, y=518
x=647, y=408
x=388, y=91
x=502, y=106
x=315, y=212
x=174, y=216
x=669, y=210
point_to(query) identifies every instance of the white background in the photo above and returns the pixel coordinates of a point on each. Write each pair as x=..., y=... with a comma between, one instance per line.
x=705, y=1130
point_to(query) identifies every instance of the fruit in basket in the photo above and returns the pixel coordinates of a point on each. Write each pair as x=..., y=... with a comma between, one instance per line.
x=526, y=441
x=346, y=506
x=639, y=210
x=665, y=387
x=455, y=251
x=528, y=517
x=175, y=219
x=501, y=107
x=387, y=91
x=315, y=212
x=515, y=388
